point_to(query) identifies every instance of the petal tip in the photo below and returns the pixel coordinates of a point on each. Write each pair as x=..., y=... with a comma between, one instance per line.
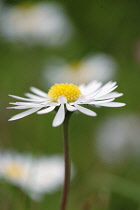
x=95, y=115
x=10, y=119
x=55, y=125
x=38, y=112
x=123, y=104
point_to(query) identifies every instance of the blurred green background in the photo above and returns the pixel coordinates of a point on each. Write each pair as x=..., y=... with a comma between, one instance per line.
x=110, y=27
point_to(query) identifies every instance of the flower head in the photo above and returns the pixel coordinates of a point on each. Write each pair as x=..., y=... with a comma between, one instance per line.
x=35, y=176
x=100, y=67
x=122, y=141
x=67, y=97
x=42, y=23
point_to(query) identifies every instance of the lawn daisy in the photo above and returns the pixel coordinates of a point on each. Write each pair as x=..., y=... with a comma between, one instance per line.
x=35, y=176
x=14, y=167
x=41, y=23
x=101, y=67
x=67, y=98
x=122, y=141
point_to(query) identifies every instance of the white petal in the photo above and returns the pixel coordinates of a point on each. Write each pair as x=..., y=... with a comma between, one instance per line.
x=32, y=96
x=109, y=85
x=51, y=104
x=79, y=100
x=47, y=110
x=93, y=86
x=109, y=95
x=93, y=89
x=82, y=87
x=107, y=88
x=38, y=91
x=100, y=102
x=70, y=108
x=104, y=92
x=62, y=100
x=26, y=104
x=86, y=111
x=21, y=98
x=19, y=107
x=113, y=104
x=59, y=117
x=24, y=114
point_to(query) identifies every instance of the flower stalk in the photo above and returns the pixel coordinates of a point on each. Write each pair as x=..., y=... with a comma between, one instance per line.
x=67, y=162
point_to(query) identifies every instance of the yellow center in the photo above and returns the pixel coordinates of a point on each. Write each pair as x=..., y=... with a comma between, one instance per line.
x=25, y=6
x=14, y=171
x=75, y=66
x=70, y=91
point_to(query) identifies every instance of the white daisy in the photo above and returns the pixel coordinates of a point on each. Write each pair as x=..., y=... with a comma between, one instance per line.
x=122, y=140
x=42, y=23
x=67, y=97
x=101, y=67
x=15, y=167
x=35, y=176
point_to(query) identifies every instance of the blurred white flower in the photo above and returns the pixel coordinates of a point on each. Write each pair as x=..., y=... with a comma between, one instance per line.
x=42, y=23
x=35, y=176
x=14, y=167
x=94, y=67
x=118, y=138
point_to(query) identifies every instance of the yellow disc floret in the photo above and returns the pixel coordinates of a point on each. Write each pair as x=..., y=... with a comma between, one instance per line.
x=69, y=91
x=14, y=171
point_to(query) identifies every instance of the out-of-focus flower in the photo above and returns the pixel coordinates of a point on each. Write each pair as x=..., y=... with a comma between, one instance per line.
x=118, y=138
x=67, y=97
x=14, y=167
x=42, y=23
x=94, y=67
x=35, y=176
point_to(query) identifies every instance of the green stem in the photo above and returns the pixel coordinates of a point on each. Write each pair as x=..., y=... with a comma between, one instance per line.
x=67, y=162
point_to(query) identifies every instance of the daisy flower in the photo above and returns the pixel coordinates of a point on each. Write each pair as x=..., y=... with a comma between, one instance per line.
x=101, y=67
x=41, y=23
x=67, y=97
x=14, y=167
x=122, y=141
x=35, y=176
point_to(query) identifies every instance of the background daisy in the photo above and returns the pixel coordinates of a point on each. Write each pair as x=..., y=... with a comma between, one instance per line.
x=41, y=23
x=34, y=175
x=99, y=67
x=121, y=142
